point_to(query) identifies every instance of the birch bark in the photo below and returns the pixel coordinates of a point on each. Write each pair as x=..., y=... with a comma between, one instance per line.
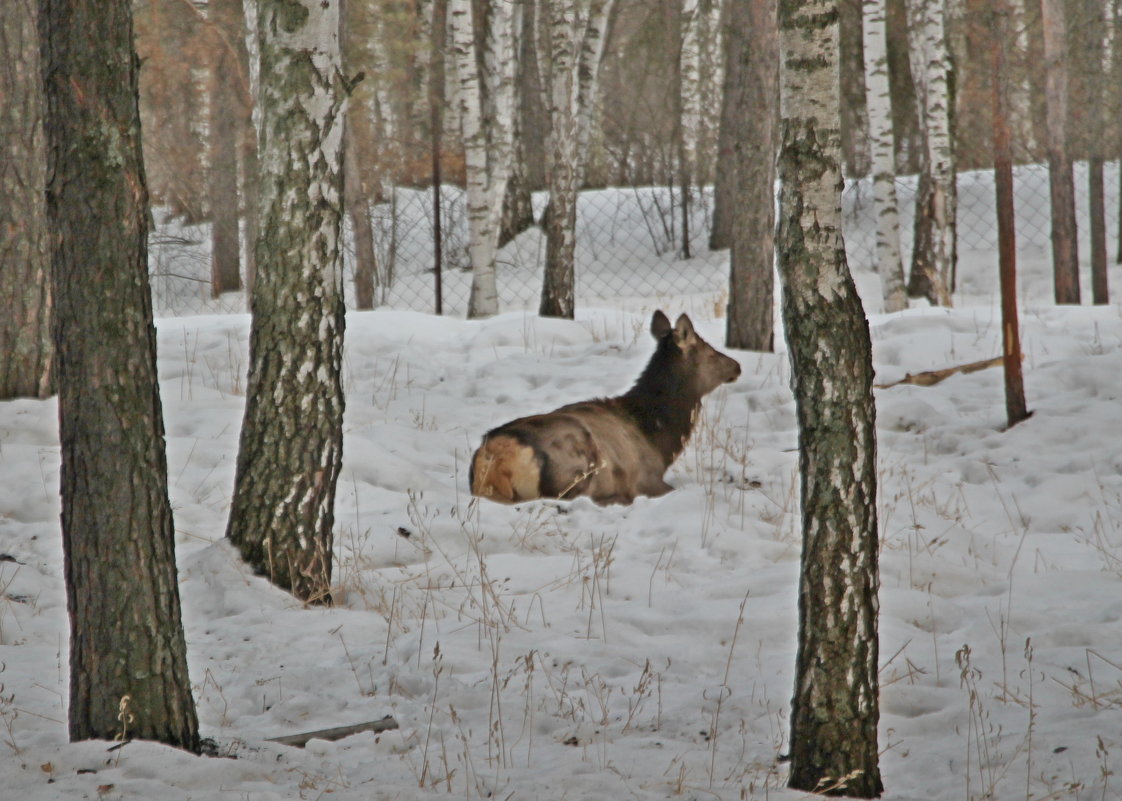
x=834, y=711
x=486, y=102
x=291, y=444
x=889, y=265
x=934, y=256
x=571, y=56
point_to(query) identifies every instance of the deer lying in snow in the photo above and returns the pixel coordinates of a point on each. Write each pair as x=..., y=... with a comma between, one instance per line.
x=610, y=449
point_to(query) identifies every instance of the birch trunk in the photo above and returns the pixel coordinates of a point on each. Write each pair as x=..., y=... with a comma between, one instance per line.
x=570, y=59
x=1061, y=180
x=834, y=712
x=936, y=209
x=889, y=265
x=486, y=101
x=291, y=443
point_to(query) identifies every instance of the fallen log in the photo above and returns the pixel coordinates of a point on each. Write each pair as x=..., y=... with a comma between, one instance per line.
x=932, y=377
x=337, y=733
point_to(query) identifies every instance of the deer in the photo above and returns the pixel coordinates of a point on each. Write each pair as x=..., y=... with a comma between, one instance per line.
x=609, y=449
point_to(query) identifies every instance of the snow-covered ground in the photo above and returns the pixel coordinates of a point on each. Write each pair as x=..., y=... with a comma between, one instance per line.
x=567, y=651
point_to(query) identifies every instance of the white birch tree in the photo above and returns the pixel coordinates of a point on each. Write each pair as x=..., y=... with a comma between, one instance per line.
x=291, y=445
x=574, y=33
x=486, y=102
x=834, y=711
x=889, y=265
x=934, y=256
x=701, y=83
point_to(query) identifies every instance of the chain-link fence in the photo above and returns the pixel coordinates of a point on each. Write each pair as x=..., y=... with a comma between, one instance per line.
x=629, y=245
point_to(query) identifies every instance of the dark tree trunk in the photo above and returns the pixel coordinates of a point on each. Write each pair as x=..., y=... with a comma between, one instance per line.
x=291, y=444
x=1092, y=24
x=834, y=712
x=854, y=109
x=225, y=116
x=26, y=350
x=921, y=279
x=1015, y=407
x=734, y=119
x=1061, y=181
x=356, y=201
x=518, y=207
x=752, y=261
x=436, y=132
x=127, y=651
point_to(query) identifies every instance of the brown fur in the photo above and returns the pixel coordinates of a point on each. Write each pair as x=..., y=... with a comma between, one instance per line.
x=504, y=471
x=611, y=449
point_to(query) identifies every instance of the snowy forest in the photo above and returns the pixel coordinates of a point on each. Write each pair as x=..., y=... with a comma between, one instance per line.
x=832, y=277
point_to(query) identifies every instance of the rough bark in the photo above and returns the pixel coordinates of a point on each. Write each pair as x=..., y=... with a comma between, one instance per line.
x=356, y=201
x=222, y=170
x=1092, y=24
x=750, y=323
x=1015, y=407
x=526, y=136
x=356, y=198
x=571, y=57
x=934, y=254
x=834, y=712
x=882, y=140
x=26, y=350
x=290, y=450
x=735, y=38
x=128, y=666
x=854, y=105
x=1061, y=179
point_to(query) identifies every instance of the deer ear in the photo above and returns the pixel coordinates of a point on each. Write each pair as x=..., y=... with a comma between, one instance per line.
x=660, y=325
x=683, y=329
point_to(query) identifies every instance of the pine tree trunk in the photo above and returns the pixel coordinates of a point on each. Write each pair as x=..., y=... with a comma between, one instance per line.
x=222, y=170
x=834, y=712
x=751, y=310
x=250, y=58
x=518, y=208
x=1095, y=70
x=356, y=203
x=1061, y=179
x=890, y=266
x=1015, y=407
x=127, y=650
x=26, y=351
x=735, y=38
x=291, y=442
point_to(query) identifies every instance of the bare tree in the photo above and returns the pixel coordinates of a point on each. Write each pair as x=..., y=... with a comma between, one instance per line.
x=934, y=254
x=291, y=444
x=26, y=351
x=1015, y=407
x=834, y=712
x=222, y=169
x=751, y=309
x=486, y=99
x=1092, y=19
x=128, y=657
x=1065, y=246
x=574, y=33
x=889, y=264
